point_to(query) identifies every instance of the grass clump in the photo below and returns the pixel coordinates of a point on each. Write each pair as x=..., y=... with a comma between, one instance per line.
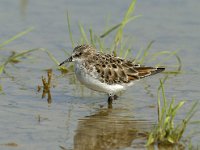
x=98, y=40
x=120, y=45
x=166, y=132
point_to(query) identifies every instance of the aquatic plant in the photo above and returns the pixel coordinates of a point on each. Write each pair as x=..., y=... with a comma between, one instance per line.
x=96, y=40
x=166, y=132
x=120, y=46
x=46, y=86
x=18, y=35
x=15, y=56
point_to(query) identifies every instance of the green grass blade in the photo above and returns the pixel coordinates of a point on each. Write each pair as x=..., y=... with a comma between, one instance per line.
x=171, y=54
x=195, y=122
x=170, y=107
x=171, y=139
x=83, y=34
x=69, y=30
x=179, y=62
x=101, y=44
x=16, y=37
x=130, y=10
x=146, y=52
x=158, y=107
x=139, y=53
x=166, y=121
x=130, y=19
x=14, y=57
x=192, y=111
x=52, y=57
x=110, y=30
x=1, y=88
x=177, y=107
x=169, y=113
x=151, y=139
x=127, y=52
x=91, y=37
x=24, y=53
x=1, y=68
x=126, y=19
x=158, y=54
x=163, y=94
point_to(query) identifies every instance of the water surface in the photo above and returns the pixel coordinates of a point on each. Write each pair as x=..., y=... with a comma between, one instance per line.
x=78, y=118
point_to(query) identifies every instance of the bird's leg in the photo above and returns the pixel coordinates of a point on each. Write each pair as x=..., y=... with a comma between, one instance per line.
x=111, y=97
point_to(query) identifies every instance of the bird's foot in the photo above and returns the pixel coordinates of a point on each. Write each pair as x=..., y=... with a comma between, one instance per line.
x=110, y=100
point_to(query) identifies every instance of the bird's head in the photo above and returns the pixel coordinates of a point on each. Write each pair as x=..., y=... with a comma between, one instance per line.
x=80, y=53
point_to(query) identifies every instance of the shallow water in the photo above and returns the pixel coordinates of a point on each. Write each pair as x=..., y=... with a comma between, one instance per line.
x=78, y=118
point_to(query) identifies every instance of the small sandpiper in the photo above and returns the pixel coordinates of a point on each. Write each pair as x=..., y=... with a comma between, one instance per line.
x=107, y=73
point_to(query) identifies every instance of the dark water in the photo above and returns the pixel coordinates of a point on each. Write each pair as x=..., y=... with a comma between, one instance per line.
x=75, y=120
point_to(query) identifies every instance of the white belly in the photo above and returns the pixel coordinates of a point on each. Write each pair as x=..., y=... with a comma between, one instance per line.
x=91, y=81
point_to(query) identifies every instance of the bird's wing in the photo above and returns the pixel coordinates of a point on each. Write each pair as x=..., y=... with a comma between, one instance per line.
x=115, y=70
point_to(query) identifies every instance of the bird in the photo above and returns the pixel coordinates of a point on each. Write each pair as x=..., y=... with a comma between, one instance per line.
x=105, y=72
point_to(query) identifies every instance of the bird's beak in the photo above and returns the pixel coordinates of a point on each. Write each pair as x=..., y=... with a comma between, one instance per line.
x=67, y=60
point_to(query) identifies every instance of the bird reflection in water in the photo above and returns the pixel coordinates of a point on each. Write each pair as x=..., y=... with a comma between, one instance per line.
x=109, y=129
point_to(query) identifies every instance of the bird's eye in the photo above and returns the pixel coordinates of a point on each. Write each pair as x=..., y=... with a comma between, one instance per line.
x=78, y=54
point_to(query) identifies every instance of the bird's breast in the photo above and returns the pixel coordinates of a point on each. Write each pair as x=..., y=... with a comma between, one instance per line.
x=90, y=80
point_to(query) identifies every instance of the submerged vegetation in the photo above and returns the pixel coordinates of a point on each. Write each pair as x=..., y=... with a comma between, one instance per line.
x=46, y=86
x=166, y=132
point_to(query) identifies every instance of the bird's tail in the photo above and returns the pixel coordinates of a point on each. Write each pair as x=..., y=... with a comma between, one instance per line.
x=148, y=71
